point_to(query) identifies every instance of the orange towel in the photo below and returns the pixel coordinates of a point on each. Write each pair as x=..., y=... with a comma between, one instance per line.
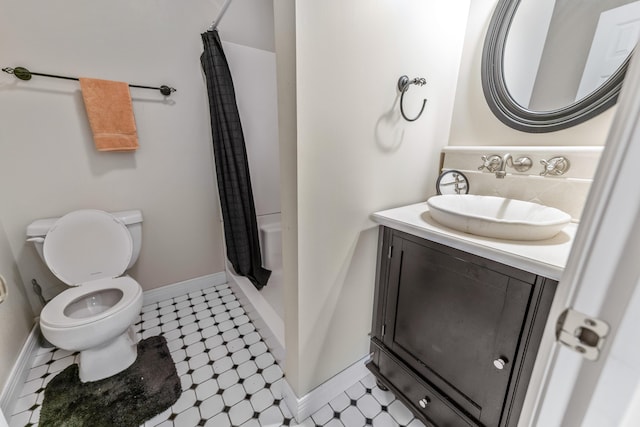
x=110, y=112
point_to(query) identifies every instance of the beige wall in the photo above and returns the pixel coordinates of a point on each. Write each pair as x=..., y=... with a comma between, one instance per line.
x=47, y=145
x=285, y=43
x=356, y=155
x=49, y=166
x=48, y=163
x=473, y=122
x=15, y=314
x=346, y=152
x=246, y=22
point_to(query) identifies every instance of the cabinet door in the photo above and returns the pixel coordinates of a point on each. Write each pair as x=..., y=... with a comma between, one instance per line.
x=456, y=322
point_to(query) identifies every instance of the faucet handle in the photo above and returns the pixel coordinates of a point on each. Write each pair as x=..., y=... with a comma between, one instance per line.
x=555, y=166
x=490, y=163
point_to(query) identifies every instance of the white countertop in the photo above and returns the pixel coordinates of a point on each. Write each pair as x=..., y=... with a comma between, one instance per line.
x=545, y=257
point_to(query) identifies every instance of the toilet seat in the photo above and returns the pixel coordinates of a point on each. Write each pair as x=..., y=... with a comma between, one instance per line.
x=87, y=245
x=53, y=314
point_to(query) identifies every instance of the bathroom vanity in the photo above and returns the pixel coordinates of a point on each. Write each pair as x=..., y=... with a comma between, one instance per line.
x=458, y=319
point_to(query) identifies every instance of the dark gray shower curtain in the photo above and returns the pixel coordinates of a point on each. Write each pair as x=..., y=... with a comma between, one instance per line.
x=232, y=168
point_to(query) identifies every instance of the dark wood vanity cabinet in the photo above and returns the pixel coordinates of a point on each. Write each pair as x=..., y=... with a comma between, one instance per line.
x=455, y=335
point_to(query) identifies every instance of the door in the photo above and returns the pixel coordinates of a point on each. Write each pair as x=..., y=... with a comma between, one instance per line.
x=457, y=322
x=613, y=41
x=601, y=280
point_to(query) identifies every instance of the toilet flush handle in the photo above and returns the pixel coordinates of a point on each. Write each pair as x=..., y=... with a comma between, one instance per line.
x=36, y=239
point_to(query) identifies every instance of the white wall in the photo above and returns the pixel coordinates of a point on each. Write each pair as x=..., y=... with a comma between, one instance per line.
x=254, y=79
x=356, y=155
x=285, y=42
x=473, y=122
x=16, y=318
x=247, y=23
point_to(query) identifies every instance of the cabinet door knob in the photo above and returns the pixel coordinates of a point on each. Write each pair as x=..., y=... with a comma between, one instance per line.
x=500, y=363
x=424, y=402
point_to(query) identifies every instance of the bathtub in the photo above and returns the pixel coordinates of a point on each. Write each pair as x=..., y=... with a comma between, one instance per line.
x=265, y=307
x=271, y=245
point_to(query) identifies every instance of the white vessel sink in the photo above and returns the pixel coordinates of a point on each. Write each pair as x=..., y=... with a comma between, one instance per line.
x=497, y=217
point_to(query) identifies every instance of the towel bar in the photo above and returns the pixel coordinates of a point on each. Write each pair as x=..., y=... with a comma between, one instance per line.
x=24, y=74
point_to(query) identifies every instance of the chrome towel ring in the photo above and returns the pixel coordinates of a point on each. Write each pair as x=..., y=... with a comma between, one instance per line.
x=403, y=86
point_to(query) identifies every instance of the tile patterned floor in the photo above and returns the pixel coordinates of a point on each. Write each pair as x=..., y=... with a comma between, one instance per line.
x=228, y=375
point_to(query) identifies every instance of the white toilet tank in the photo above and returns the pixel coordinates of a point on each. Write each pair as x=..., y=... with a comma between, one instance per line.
x=38, y=229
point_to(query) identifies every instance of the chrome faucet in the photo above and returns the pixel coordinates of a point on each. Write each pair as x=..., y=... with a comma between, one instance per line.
x=521, y=164
x=501, y=172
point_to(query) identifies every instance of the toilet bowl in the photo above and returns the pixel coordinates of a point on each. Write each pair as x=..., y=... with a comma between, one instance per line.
x=89, y=250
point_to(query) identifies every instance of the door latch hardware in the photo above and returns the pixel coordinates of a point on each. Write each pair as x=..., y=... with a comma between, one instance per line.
x=581, y=333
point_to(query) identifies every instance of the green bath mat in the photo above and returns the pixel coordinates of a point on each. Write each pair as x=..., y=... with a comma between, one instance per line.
x=129, y=398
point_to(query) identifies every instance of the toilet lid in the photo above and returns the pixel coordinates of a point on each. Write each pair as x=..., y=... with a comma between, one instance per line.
x=87, y=245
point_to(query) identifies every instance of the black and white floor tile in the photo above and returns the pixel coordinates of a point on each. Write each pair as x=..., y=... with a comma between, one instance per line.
x=228, y=375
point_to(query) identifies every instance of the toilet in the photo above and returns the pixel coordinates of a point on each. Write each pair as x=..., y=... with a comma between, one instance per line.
x=89, y=250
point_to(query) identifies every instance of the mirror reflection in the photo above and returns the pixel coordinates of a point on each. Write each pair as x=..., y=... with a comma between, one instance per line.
x=557, y=52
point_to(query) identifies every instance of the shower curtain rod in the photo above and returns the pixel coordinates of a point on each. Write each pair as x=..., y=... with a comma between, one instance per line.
x=216, y=21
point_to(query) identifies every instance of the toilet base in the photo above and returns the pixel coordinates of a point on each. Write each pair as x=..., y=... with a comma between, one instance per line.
x=108, y=359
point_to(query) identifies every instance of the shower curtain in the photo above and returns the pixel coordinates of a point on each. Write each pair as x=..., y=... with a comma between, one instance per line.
x=232, y=168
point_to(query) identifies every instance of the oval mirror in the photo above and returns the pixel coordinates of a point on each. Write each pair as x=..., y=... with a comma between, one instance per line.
x=551, y=64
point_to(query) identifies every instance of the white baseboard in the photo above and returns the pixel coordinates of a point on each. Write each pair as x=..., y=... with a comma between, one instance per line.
x=181, y=288
x=308, y=404
x=19, y=372
x=21, y=367
x=264, y=317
